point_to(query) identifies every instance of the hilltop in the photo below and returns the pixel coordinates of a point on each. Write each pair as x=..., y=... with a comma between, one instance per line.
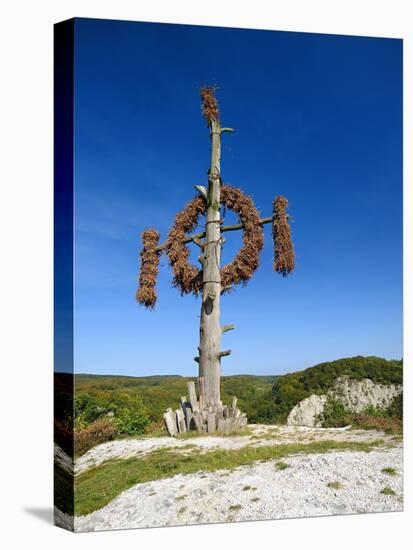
x=290, y=389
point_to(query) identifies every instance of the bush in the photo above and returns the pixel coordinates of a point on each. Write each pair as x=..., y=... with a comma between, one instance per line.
x=334, y=414
x=133, y=420
x=386, y=424
x=376, y=412
x=99, y=431
x=87, y=409
x=396, y=408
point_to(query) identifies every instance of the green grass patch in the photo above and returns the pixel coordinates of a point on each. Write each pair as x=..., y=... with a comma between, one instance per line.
x=389, y=471
x=387, y=491
x=282, y=465
x=249, y=488
x=335, y=485
x=235, y=507
x=98, y=486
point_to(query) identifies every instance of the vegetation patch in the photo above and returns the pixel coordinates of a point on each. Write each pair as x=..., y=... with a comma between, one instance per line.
x=282, y=465
x=389, y=471
x=99, y=431
x=335, y=485
x=98, y=486
x=235, y=507
x=387, y=491
x=99, y=395
x=389, y=420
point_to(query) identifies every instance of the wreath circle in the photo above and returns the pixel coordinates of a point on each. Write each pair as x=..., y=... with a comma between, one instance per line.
x=188, y=277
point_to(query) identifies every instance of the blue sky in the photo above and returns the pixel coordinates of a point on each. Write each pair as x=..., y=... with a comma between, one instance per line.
x=317, y=118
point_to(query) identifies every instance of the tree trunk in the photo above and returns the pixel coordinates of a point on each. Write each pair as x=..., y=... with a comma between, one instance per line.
x=210, y=329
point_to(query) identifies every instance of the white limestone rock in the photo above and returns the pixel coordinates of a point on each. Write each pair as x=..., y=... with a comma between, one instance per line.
x=356, y=395
x=307, y=412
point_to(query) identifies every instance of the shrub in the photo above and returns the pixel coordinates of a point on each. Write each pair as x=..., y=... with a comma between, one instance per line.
x=376, y=412
x=388, y=425
x=133, y=420
x=396, y=408
x=99, y=431
x=87, y=409
x=334, y=414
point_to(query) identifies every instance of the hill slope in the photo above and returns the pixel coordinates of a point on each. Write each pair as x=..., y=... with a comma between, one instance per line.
x=290, y=389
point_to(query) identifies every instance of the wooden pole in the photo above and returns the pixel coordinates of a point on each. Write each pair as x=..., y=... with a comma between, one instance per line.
x=210, y=328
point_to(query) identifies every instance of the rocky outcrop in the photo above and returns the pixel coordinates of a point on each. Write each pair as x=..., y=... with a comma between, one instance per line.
x=355, y=395
x=307, y=412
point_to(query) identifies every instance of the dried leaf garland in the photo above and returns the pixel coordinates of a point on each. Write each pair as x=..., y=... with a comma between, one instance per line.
x=242, y=267
x=146, y=294
x=284, y=256
x=188, y=277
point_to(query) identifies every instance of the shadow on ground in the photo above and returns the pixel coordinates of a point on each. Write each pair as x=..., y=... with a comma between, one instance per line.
x=44, y=514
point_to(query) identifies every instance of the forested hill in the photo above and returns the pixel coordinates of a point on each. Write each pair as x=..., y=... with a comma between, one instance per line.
x=265, y=399
x=291, y=388
x=102, y=393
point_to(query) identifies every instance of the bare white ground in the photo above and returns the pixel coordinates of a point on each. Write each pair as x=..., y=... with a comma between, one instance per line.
x=259, y=491
x=261, y=435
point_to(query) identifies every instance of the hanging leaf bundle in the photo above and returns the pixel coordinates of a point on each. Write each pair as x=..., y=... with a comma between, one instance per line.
x=284, y=256
x=146, y=294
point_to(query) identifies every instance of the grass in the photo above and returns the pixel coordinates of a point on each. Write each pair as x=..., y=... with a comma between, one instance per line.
x=249, y=488
x=389, y=471
x=271, y=434
x=335, y=485
x=98, y=486
x=235, y=507
x=255, y=499
x=282, y=465
x=182, y=497
x=387, y=491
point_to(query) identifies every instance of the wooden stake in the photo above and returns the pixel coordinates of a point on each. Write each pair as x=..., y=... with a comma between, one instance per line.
x=192, y=396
